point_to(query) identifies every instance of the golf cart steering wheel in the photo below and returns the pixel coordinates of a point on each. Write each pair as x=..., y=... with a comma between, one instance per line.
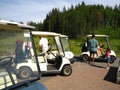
x=49, y=51
x=7, y=62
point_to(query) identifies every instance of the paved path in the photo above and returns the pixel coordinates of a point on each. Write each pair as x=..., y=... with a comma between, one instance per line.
x=84, y=77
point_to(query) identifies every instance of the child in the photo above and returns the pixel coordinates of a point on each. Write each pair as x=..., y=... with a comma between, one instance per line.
x=108, y=57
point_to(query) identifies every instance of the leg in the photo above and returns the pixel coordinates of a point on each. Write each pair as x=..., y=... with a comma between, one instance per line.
x=108, y=65
x=102, y=51
x=108, y=62
x=90, y=57
x=93, y=58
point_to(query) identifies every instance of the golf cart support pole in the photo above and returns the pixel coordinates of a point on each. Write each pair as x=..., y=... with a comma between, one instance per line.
x=108, y=43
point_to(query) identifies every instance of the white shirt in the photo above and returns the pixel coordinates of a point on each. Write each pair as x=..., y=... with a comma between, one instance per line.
x=44, y=43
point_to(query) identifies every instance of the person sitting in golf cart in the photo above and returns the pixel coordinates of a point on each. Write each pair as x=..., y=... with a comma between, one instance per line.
x=100, y=50
x=85, y=46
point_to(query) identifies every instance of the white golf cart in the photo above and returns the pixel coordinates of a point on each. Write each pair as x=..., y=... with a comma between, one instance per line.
x=100, y=55
x=60, y=63
x=11, y=55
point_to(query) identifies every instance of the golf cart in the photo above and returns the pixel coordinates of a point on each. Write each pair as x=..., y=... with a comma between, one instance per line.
x=12, y=54
x=100, y=53
x=60, y=64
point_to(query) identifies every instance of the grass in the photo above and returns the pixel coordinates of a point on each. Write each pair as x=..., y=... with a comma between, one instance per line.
x=115, y=44
x=76, y=46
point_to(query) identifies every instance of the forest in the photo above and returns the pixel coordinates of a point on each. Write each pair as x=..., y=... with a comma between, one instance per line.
x=81, y=19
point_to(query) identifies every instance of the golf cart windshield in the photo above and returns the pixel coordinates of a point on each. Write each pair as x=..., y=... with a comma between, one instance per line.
x=65, y=42
x=16, y=49
x=53, y=38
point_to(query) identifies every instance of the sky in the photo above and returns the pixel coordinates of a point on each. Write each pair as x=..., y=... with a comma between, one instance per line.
x=36, y=10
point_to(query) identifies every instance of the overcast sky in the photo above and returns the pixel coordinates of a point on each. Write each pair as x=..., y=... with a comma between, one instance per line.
x=36, y=10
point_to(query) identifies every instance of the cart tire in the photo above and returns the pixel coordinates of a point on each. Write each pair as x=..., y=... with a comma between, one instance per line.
x=67, y=71
x=24, y=73
x=85, y=57
x=112, y=59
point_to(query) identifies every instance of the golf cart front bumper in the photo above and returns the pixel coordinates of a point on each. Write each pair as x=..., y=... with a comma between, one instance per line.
x=72, y=60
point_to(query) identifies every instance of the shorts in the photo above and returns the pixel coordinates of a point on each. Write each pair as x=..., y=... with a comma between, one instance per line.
x=93, y=52
x=108, y=59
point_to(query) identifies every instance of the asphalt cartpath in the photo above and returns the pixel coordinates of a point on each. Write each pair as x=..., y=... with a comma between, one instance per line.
x=85, y=77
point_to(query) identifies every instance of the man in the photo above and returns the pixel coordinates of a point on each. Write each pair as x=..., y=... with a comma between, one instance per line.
x=92, y=44
x=43, y=43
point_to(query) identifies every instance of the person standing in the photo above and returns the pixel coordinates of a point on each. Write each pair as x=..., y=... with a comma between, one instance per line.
x=92, y=45
x=108, y=57
x=43, y=43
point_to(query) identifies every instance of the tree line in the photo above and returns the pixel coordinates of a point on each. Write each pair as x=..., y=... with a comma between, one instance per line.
x=81, y=20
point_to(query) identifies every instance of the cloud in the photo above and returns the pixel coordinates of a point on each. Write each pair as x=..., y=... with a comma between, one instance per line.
x=110, y=3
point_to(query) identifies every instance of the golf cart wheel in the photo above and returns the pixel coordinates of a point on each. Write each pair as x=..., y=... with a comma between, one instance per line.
x=85, y=57
x=24, y=73
x=67, y=71
x=112, y=59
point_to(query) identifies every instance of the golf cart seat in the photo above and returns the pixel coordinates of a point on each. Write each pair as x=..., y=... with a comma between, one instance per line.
x=58, y=61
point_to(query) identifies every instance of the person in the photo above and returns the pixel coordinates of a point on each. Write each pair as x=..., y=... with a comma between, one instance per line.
x=108, y=51
x=43, y=44
x=85, y=46
x=26, y=48
x=92, y=45
x=18, y=50
x=100, y=50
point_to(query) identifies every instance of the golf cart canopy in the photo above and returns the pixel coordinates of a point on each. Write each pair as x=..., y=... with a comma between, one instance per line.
x=98, y=35
x=64, y=36
x=42, y=33
x=7, y=25
x=15, y=49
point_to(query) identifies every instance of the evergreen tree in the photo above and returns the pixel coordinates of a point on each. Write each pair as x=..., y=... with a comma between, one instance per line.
x=80, y=20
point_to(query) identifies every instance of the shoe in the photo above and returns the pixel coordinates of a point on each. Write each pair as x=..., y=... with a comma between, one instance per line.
x=92, y=63
x=107, y=68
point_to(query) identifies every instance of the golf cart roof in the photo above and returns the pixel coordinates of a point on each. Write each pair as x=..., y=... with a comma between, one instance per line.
x=63, y=35
x=10, y=25
x=42, y=33
x=97, y=35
